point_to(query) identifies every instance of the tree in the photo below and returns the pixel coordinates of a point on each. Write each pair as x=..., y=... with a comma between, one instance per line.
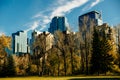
x=72, y=42
x=5, y=42
x=40, y=49
x=117, y=32
x=95, y=52
x=53, y=62
x=11, y=66
x=106, y=58
x=61, y=45
x=85, y=35
x=102, y=59
x=72, y=47
x=3, y=69
x=66, y=44
x=8, y=68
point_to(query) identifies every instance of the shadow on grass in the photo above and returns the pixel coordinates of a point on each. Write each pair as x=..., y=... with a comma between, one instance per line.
x=95, y=79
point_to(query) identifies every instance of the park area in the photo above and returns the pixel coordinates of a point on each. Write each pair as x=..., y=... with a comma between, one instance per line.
x=64, y=78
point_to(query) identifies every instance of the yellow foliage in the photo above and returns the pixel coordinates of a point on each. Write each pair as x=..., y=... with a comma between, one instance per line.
x=116, y=68
x=17, y=70
x=5, y=42
x=33, y=68
x=113, y=51
x=76, y=62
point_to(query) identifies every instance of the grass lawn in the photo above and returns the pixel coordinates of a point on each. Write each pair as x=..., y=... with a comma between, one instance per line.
x=65, y=78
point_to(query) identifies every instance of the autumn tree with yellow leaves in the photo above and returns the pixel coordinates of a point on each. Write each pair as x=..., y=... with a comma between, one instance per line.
x=5, y=42
x=6, y=66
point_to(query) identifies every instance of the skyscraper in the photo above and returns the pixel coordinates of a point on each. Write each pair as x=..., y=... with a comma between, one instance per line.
x=19, y=42
x=58, y=23
x=93, y=15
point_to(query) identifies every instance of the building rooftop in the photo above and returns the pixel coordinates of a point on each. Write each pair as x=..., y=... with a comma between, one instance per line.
x=17, y=33
x=91, y=12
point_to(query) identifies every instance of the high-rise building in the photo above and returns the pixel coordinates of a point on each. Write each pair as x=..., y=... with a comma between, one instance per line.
x=58, y=23
x=48, y=39
x=19, y=42
x=94, y=16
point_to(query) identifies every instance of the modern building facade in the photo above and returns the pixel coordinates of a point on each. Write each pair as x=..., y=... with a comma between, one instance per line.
x=94, y=16
x=19, y=42
x=48, y=39
x=58, y=23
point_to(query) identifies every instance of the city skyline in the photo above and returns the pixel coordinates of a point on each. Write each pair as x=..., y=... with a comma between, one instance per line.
x=28, y=15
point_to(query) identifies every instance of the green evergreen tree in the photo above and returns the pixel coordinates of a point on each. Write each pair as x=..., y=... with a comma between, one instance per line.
x=95, y=66
x=11, y=66
x=101, y=60
x=3, y=70
x=106, y=58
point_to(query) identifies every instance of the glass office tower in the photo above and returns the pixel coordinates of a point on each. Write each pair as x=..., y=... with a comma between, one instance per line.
x=94, y=16
x=58, y=23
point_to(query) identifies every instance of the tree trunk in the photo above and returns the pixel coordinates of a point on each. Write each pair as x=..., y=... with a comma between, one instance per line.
x=82, y=59
x=38, y=69
x=43, y=64
x=86, y=51
x=72, y=61
x=65, y=65
x=58, y=65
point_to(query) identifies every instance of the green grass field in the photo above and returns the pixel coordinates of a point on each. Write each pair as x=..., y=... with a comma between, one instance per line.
x=65, y=78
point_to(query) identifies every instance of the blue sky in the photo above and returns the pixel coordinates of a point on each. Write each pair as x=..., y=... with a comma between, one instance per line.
x=36, y=14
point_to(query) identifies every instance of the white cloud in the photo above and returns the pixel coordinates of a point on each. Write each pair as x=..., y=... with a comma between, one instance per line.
x=33, y=25
x=67, y=6
x=92, y=4
x=59, y=8
x=95, y=3
x=1, y=33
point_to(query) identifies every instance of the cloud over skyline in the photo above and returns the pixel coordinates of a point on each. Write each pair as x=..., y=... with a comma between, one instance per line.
x=92, y=4
x=33, y=26
x=58, y=8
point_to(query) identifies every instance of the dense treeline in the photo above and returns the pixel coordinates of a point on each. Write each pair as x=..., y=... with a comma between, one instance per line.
x=92, y=51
